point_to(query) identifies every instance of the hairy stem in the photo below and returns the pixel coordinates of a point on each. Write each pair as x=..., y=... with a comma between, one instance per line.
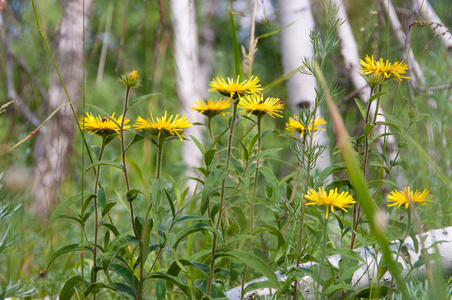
x=220, y=212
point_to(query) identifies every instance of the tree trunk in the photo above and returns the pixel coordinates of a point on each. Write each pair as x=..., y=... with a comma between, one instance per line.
x=349, y=53
x=438, y=28
x=436, y=241
x=296, y=46
x=189, y=84
x=53, y=144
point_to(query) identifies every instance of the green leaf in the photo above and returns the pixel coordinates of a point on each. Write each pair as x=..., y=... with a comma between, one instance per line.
x=68, y=202
x=172, y=280
x=199, y=145
x=215, y=293
x=264, y=153
x=212, y=183
x=132, y=194
x=108, y=206
x=377, y=95
x=141, y=98
x=328, y=171
x=236, y=48
x=111, y=227
x=118, y=243
x=101, y=198
x=189, y=230
x=382, y=181
x=378, y=164
x=245, y=150
x=281, y=240
x=240, y=218
x=68, y=289
x=208, y=157
x=368, y=129
x=330, y=291
x=254, y=262
x=63, y=250
x=105, y=163
x=175, y=268
x=170, y=201
x=126, y=274
x=261, y=285
x=361, y=107
x=252, y=143
x=137, y=138
x=271, y=178
x=160, y=289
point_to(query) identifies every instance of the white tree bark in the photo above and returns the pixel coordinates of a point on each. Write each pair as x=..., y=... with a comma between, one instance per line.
x=438, y=28
x=188, y=77
x=414, y=67
x=350, y=55
x=367, y=273
x=54, y=144
x=296, y=46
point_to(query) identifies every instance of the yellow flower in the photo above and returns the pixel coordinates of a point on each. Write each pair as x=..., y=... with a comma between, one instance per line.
x=378, y=71
x=295, y=125
x=211, y=109
x=400, y=198
x=103, y=126
x=237, y=89
x=256, y=105
x=131, y=80
x=163, y=125
x=343, y=200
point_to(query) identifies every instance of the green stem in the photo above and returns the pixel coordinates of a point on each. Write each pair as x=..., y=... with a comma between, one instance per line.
x=357, y=206
x=96, y=215
x=158, y=169
x=322, y=261
x=220, y=212
x=121, y=132
x=253, y=196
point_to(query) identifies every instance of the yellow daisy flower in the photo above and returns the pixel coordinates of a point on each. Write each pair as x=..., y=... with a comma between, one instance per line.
x=256, y=105
x=164, y=125
x=211, y=109
x=343, y=200
x=103, y=126
x=295, y=125
x=401, y=198
x=379, y=71
x=237, y=89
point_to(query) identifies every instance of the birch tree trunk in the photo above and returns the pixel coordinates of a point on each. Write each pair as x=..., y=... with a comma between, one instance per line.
x=350, y=55
x=296, y=46
x=417, y=75
x=54, y=144
x=189, y=84
x=429, y=15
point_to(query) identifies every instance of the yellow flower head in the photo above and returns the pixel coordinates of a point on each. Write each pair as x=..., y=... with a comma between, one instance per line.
x=376, y=72
x=402, y=198
x=103, y=126
x=131, y=80
x=237, y=89
x=256, y=105
x=211, y=109
x=163, y=126
x=343, y=200
x=295, y=125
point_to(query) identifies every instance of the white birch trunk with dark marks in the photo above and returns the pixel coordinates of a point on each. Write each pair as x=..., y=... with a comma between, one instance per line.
x=54, y=144
x=296, y=46
x=189, y=85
